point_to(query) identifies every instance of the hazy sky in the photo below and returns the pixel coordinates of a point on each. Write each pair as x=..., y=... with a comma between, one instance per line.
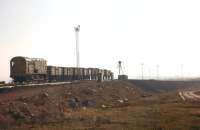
x=153, y=32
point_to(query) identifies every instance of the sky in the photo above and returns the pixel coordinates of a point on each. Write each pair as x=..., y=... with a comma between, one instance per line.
x=162, y=33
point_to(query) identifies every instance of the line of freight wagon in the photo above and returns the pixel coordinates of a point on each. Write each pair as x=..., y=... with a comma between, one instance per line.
x=24, y=69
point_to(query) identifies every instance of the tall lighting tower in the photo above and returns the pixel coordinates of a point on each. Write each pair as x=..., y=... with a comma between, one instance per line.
x=77, y=29
x=142, y=71
x=157, y=71
x=182, y=75
x=120, y=67
x=121, y=75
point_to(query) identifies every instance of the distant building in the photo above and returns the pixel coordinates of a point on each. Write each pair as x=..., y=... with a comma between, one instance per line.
x=122, y=77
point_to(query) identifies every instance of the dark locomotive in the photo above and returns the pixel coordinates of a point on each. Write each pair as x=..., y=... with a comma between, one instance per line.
x=23, y=69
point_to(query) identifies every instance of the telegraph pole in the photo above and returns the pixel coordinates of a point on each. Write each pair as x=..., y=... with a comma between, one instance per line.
x=149, y=73
x=142, y=71
x=119, y=66
x=157, y=71
x=182, y=77
x=77, y=29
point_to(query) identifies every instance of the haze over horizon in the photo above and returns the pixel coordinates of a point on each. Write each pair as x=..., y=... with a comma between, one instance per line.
x=153, y=32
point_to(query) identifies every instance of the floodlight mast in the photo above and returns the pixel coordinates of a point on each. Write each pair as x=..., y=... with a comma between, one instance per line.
x=142, y=71
x=182, y=75
x=77, y=29
x=157, y=71
x=119, y=66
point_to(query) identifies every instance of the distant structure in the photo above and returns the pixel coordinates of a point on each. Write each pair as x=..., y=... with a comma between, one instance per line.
x=120, y=67
x=2, y=82
x=77, y=29
x=142, y=71
x=182, y=74
x=121, y=76
x=157, y=71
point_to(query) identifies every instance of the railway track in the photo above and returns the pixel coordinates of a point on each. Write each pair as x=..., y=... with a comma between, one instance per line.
x=33, y=84
x=42, y=84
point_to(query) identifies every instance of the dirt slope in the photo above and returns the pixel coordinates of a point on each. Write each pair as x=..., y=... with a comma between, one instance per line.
x=49, y=104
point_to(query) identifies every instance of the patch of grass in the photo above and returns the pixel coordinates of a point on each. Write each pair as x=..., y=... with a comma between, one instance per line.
x=194, y=128
x=155, y=115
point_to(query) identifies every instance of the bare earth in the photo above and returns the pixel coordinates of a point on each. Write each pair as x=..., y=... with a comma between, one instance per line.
x=111, y=105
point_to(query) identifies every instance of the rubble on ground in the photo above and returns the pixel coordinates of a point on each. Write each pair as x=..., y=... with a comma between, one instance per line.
x=50, y=103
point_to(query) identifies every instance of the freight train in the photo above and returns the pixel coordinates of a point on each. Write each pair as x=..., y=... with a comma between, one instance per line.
x=24, y=69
